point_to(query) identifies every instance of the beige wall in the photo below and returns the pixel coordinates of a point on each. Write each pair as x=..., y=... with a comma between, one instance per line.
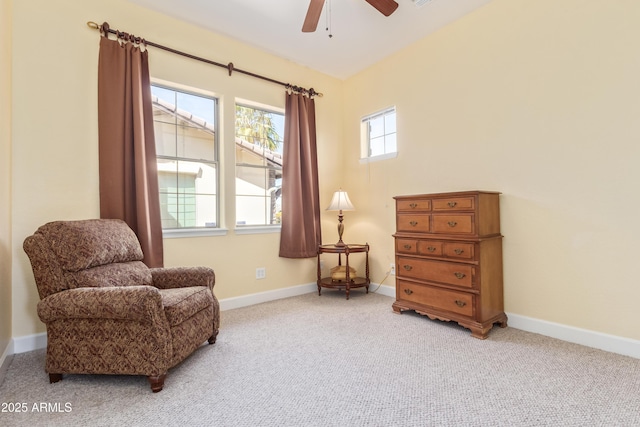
x=539, y=100
x=536, y=99
x=55, y=176
x=5, y=177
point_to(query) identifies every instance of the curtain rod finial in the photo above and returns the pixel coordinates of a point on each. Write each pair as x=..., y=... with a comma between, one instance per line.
x=312, y=92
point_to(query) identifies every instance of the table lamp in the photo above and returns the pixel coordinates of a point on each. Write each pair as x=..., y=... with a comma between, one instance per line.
x=340, y=202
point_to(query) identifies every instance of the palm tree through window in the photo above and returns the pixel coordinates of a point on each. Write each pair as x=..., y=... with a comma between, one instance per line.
x=259, y=143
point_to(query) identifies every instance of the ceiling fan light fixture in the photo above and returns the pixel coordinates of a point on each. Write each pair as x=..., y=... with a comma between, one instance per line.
x=420, y=3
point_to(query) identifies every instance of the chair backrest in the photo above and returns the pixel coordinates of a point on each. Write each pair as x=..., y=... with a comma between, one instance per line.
x=85, y=253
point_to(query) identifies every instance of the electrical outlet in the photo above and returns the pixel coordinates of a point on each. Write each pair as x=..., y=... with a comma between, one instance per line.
x=392, y=270
x=261, y=273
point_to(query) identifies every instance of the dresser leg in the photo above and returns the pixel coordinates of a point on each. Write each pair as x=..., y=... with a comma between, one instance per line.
x=502, y=322
x=480, y=333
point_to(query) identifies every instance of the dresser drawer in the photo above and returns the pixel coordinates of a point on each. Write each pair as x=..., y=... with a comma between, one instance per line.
x=413, y=223
x=454, y=204
x=436, y=271
x=417, y=205
x=458, y=250
x=441, y=299
x=406, y=246
x=428, y=247
x=453, y=224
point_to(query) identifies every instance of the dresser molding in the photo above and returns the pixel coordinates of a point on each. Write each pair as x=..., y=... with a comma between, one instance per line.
x=449, y=258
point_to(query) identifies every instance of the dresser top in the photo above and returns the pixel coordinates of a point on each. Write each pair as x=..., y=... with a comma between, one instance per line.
x=451, y=194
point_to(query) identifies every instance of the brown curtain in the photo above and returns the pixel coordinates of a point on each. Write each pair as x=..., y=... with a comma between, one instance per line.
x=300, y=235
x=128, y=168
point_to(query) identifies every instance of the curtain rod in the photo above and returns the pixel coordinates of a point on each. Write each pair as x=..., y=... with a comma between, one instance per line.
x=105, y=29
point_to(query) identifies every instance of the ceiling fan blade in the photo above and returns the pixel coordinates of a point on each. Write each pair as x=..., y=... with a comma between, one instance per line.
x=385, y=7
x=313, y=16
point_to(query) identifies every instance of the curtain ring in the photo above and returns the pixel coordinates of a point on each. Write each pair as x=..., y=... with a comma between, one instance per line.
x=104, y=29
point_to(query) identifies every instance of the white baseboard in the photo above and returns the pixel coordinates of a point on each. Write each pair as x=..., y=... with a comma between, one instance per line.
x=5, y=360
x=39, y=341
x=611, y=343
x=386, y=290
x=247, y=300
x=29, y=343
x=251, y=299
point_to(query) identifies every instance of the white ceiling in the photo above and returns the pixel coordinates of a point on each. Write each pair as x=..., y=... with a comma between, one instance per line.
x=361, y=36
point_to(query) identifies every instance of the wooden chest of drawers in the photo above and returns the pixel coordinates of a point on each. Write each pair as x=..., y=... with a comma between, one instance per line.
x=449, y=258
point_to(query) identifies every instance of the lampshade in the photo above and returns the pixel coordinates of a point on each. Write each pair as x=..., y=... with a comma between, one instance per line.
x=341, y=202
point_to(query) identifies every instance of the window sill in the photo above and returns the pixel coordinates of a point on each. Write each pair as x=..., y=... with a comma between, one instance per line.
x=378, y=158
x=258, y=229
x=176, y=233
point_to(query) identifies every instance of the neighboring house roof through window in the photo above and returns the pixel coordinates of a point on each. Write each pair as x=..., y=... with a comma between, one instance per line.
x=273, y=158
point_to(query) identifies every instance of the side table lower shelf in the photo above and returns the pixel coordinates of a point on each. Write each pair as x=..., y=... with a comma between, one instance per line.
x=356, y=282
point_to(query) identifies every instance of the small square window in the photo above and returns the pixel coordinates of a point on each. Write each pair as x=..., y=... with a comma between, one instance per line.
x=378, y=135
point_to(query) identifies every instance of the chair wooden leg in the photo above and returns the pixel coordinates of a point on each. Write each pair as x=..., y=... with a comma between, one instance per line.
x=54, y=378
x=156, y=382
x=212, y=338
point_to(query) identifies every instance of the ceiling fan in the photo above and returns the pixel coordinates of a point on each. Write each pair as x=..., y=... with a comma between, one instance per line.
x=386, y=7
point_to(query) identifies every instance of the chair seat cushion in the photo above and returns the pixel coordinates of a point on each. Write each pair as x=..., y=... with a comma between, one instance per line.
x=182, y=303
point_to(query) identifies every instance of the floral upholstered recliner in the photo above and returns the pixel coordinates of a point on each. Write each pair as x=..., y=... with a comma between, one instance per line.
x=106, y=312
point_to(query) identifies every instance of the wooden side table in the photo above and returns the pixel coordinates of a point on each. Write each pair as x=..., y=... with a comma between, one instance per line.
x=349, y=282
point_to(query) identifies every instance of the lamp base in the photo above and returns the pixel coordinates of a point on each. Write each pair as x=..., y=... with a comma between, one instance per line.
x=340, y=231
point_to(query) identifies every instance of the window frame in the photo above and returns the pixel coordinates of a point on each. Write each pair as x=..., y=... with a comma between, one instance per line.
x=192, y=231
x=365, y=134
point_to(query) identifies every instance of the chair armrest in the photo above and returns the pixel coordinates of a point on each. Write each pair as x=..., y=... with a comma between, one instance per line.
x=137, y=303
x=180, y=277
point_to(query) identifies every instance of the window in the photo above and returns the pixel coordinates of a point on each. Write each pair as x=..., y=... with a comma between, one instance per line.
x=185, y=126
x=259, y=143
x=378, y=134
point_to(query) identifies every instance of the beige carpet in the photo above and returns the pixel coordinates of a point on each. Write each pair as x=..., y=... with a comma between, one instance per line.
x=325, y=361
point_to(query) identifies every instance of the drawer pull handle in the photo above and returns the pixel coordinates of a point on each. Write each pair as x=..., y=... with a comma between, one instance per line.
x=452, y=224
x=452, y=204
x=413, y=205
x=408, y=291
x=460, y=275
x=407, y=246
x=414, y=223
x=460, y=303
x=407, y=267
x=458, y=251
x=431, y=249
